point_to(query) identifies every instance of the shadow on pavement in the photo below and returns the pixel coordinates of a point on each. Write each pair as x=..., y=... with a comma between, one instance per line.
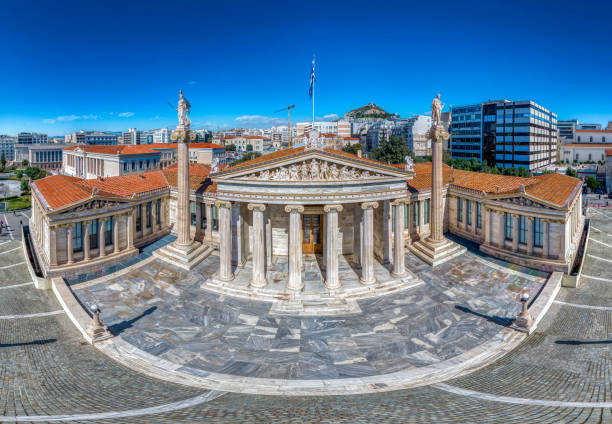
x=120, y=327
x=35, y=342
x=503, y=321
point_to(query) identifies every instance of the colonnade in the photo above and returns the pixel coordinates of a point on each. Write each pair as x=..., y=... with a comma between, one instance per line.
x=261, y=243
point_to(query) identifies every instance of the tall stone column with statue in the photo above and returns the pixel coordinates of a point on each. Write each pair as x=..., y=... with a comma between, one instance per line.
x=184, y=252
x=436, y=248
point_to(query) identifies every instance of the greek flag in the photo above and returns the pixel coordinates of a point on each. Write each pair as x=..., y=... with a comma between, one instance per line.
x=312, y=78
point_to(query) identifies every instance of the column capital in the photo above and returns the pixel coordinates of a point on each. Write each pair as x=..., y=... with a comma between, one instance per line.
x=256, y=206
x=515, y=215
x=103, y=219
x=330, y=208
x=530, y=218
x=223, y=204
x=397, y=202
x=369, y=205
x=294, y=208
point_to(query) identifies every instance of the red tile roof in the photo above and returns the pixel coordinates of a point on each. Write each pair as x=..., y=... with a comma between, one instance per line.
x=593, y=145
x=114, y=150
x=554, y=188
x=608, y=152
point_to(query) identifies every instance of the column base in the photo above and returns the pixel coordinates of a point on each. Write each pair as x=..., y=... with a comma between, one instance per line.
x=226, y=279
x=295, y=286
x=399, y=274
x=258, y=284
x=186, y=257
x=367, y=282
x=332, y=286
x=436, y=253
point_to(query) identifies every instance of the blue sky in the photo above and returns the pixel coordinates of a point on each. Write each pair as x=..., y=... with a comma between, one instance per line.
x=69, y=65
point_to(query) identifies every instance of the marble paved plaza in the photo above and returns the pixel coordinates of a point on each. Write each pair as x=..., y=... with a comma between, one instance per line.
x=560, y=374
x=165, y=312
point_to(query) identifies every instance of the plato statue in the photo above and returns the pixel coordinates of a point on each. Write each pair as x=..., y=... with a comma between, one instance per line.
x=183, y=109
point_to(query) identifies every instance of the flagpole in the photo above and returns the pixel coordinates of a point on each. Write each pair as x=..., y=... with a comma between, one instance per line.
x=313, y=90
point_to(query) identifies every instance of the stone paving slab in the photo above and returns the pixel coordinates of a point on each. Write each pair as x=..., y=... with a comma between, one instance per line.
x=162, y=311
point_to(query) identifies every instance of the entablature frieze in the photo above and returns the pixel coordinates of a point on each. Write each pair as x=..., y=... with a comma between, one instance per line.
x=312, y=198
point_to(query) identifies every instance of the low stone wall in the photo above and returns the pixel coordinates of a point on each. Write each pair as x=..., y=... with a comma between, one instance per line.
x=574, y=281
x=542, y=264
x=40, y=283
x=540, y=305
x=71, y=306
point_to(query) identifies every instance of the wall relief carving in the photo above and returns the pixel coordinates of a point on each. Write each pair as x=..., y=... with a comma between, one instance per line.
x=313, y=171
x=522, y=201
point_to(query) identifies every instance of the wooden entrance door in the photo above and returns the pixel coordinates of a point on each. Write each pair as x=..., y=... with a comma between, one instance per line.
x=311, y=238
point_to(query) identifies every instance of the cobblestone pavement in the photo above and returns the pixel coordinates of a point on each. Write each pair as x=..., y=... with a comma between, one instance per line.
x=45, y=370
x=11, y=228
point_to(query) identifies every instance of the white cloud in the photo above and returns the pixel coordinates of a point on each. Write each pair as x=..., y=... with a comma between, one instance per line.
x=260, y=119
x=126, y=114
x=69, y=118
x=331, y=116
x=192, y=82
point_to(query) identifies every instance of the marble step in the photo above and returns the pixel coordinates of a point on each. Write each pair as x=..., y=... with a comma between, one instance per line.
x=439, y=254
x=187, y=259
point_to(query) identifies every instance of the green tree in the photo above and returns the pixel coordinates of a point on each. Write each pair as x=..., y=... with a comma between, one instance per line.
x=25, y=187
x=571, y=172
x=3, y=161
x=392, y=150
x=249, y=147
x=19, y=174
x=25, y=162
x=592, y=183
x=230, y=148
x=352, y=148
x=31, y=171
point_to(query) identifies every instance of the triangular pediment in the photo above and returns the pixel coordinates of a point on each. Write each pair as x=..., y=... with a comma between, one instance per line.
x=523, y=199
x=91, y=204
x=317, y=166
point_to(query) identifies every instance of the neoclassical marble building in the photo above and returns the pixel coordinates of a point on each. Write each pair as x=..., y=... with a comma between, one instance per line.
x=302, y=201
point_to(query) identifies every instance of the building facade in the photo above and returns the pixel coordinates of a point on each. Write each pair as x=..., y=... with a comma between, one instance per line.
x=32, y=138
x=584, y=152
x=45, y=156
x=505, y=133
x=258, y=143
x=7, y=147
x=304, y=201
x=92, y=138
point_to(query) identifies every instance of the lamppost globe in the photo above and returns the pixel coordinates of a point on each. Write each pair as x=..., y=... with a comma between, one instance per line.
x=94, y=308
x=524, y=297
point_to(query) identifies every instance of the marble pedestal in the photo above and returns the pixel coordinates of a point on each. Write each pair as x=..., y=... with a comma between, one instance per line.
x=186, y=257
x=436, y=253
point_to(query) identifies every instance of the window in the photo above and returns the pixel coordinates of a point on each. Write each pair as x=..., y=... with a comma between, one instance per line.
x=459, y=209
x=508, y=226
x=522, y=229
x=77, y=237
x=149, y=217
x=125, y=166
x=468, y=210
x=158, y=212
x=478, y=215
x=139, y=164
x=215, y=218
x=192, y=209
x=133, y=166
x=138, y=218
x=416, y=214
x=426, y=212
x=537, y=232
x=579, y=139
x=93, y=234
x=108, y=231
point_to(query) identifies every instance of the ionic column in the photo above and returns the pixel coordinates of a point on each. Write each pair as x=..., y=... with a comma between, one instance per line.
x=86, y=240
x=399, y=269
x=422, y=215
x=367, y=261
x=357, y=233
x=530, y=223
x=52, y=246
x=515, y=232
x=208, y=234
x=198, y=225
x=225, y=240
x=295, y=246
x=101, y=238
x=154, y=226
x=259, y=249
x=386, y=231
x=486, y=225
x=130, y=229
x=331, y=241
x=562, y=239
x=115, y=234
x=545, y=229
x=70, y=248
x=268, y=240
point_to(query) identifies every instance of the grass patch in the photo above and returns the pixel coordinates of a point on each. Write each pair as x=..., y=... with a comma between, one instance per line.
x=17, y=202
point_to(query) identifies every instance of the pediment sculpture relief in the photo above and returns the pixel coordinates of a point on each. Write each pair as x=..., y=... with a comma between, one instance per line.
x=522, y=201
x=313, y=171
x=95, y=204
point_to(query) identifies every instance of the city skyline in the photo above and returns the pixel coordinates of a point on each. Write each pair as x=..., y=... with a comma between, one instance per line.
x=239, y=65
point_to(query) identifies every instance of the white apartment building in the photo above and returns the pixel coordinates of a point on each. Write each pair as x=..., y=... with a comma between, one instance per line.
x=341, y=128
x=259, y=143
x=7, y=147
x=162, y=135
x=32, y=138
x=132, y=136
x=44, y=156
x=91, y=137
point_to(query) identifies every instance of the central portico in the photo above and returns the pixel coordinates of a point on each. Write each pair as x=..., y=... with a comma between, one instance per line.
x=302, y=202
